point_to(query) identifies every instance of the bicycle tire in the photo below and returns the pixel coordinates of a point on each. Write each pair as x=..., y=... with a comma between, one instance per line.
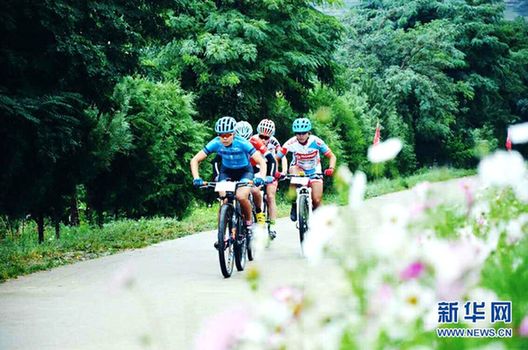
x=250, y=248
x=304, y=212
x=240, y=248
x=225, y=250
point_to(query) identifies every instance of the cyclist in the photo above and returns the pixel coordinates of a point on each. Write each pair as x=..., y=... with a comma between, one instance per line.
x=245, y=130
x=306, y=149
x=235, y=153
x=265, y=132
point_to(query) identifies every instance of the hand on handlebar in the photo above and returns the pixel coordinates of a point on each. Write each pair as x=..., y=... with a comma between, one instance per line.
x=198, y=182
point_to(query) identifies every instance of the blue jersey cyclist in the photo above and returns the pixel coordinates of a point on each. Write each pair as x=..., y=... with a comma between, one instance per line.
x=235, y=153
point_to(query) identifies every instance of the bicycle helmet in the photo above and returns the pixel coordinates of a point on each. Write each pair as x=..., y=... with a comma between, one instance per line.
x=244, y=129
x=266, y=127
x=225, y=125
x=302, y=125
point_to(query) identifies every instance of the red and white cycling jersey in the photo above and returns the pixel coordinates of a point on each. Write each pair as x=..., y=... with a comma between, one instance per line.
x=274, y=145
x=305, y=156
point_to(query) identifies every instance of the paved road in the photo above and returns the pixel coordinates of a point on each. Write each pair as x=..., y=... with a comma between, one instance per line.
x=177, y=285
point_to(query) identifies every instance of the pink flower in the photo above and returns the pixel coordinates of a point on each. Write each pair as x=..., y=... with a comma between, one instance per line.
x=233, y=323
x=414, y=270
x=523, y=328
x=468, y=193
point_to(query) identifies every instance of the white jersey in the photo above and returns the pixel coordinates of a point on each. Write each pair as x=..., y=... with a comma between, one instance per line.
x=305, y=156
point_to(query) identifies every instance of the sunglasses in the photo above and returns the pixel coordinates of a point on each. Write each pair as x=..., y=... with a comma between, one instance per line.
x=225, y=136
x=264, y=137
x=301, y=133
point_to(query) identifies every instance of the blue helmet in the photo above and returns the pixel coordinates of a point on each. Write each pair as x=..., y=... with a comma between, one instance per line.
x=225, y=125
x=302, y=125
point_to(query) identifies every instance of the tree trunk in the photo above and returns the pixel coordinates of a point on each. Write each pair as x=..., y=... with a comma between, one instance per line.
x=57, y=228
x=100, y=218
x=74, y=211
x=40, y=227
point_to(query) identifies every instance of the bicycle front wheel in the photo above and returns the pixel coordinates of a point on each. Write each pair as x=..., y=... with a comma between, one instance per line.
x=225, y=245
x=304, y=213
x=240, y=242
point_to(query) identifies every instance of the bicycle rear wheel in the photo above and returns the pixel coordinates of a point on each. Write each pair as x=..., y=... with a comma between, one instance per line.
x=304, y=213
x=240, y=244
x=226, y=255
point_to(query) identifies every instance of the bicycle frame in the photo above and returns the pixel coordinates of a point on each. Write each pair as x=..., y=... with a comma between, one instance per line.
x=231, y=233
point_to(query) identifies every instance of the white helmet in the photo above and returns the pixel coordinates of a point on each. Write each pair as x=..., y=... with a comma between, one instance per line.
x=244, y=129
x=225, y=125
x=266, y=127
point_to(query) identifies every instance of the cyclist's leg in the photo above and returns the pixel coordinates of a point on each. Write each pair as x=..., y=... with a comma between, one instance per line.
x=271, y=190
x=243, y=195
x=257, y=201
x=243, y=198
x=317, y=186
x=317, y=192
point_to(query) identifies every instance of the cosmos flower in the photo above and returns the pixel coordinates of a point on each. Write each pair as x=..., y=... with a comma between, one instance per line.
x=518, y=133
x=384, y=151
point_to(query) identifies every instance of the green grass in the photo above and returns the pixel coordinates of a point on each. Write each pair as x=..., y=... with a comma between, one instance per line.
x=22, y=254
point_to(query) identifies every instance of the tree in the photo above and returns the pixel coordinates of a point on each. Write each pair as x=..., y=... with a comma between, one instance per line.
x=237, y=55
x=58, y=58
x=151, y=177
x=441, y=69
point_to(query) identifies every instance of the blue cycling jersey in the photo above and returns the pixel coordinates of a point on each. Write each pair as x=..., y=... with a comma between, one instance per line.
x=234, y=156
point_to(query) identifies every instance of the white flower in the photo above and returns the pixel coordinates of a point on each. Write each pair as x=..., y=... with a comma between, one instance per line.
x=502, y=169
x=384, y=151
x=521, y=190
x=514, y=229
x=323, y=226
x=410, y=302
x=357, y=190
x=518, y=133
x=391, y=238
x=456, y=264
x=414, y=300
x=260, y=238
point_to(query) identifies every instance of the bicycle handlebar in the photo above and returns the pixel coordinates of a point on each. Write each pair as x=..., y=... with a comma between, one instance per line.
x=290, y=176
x=212, y=184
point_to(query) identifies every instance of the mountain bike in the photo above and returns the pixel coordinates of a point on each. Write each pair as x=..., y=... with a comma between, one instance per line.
x=304, y=201
x=232, y=243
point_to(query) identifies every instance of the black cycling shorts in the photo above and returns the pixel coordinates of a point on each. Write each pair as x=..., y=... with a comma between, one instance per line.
x=236, y=174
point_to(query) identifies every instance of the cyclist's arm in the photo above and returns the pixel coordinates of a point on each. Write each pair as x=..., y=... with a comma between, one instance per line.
x=332, y=158
x=257, y=157
x=195, y=163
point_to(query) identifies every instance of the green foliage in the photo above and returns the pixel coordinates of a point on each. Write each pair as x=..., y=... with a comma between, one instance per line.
x=341, y=116
x=151, y=177
x=436, y=72
x=236, y=57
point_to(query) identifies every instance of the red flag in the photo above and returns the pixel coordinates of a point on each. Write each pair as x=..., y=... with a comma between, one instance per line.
x=508, y=142
x=377, y=135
